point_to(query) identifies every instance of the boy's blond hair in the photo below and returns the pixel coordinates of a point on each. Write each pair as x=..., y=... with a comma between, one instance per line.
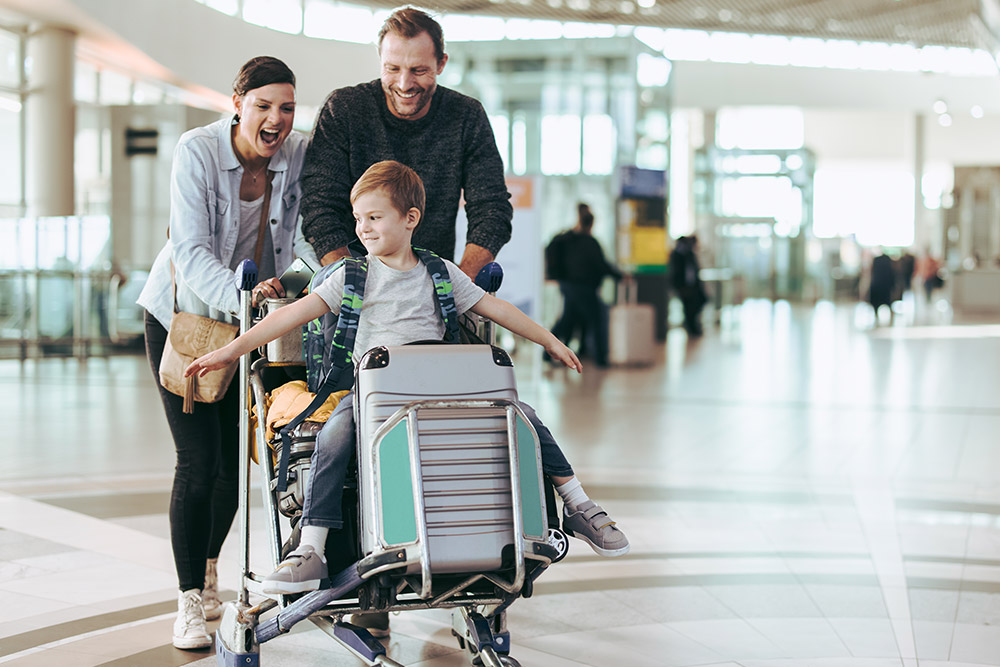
x=399, y=183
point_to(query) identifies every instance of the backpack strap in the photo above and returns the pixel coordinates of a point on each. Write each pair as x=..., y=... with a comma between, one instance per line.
x=341, y=353
x=443, y=290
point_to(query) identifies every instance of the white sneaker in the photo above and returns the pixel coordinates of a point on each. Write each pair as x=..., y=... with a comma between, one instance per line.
x=189, y=628
x=210, y=594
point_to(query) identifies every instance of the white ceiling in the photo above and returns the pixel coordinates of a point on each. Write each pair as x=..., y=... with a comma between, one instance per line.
x=918, y=22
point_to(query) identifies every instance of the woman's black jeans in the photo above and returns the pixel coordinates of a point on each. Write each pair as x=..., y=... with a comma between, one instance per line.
x=204, y=496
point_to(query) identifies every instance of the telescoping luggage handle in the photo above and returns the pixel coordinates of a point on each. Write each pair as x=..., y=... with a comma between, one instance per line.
x=628, y=291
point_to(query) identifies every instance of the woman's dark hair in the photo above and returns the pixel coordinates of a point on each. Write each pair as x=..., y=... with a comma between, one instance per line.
x=262, y=71
x=409, y=22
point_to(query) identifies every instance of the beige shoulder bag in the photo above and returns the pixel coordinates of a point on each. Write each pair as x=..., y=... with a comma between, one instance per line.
x=192, y=336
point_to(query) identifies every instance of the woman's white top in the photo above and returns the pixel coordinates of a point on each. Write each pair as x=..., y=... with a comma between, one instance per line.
x=205, y=222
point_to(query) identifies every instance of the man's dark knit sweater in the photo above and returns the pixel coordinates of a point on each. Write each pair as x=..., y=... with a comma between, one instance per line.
x=452, y=149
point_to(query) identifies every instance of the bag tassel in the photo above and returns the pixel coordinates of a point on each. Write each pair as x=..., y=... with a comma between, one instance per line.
x=189, y=395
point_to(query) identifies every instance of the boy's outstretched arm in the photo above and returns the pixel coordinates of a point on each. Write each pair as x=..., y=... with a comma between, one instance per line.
x=276, y=324
x=510, y=317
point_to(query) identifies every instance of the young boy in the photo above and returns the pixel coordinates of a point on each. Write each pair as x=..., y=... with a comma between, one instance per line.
x=399, y=307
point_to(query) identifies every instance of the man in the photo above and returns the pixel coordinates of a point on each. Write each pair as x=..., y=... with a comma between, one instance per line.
x=687, y=285
x=583, y=268
x=405, y=116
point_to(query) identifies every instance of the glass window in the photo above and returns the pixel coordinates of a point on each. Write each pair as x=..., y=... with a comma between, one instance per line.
x=281, y=15
x=346, y=23
x=560, y=144
x=10, y=59
x=533, y=29
x=501, y=131
x=115, y=88
x=764, y=197
x=652, y=71
x=872, y=202
x=937, y=184
x=598, y=144
x=519, y=144
x=10, y=139
x=573, y=30
x=146, y=93
x=760, y=127
x=462, y=28
x=85, y=82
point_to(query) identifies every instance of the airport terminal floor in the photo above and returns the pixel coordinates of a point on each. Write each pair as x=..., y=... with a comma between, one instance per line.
x=800, y=488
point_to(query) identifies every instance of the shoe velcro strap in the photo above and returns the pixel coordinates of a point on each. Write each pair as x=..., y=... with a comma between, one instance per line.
x=591, y=514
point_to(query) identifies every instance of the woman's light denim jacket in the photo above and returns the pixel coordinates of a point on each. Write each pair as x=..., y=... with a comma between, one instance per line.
x=205, y=219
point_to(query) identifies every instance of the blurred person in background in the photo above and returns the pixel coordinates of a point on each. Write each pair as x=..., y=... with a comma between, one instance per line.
x=883, y=285
x=575, y=259
x=683, y=276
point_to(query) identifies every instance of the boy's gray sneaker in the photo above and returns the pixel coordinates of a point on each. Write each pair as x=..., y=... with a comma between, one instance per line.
x=593, y=525
x=302, y=570
x=376, y=623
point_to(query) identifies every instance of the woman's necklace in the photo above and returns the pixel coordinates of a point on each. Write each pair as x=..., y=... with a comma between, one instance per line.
x=247, y=169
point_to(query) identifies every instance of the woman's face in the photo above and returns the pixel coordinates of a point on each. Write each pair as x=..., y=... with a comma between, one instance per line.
x=266, y=116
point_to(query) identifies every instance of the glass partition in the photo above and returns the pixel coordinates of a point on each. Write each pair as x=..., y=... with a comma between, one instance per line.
x=60, y=293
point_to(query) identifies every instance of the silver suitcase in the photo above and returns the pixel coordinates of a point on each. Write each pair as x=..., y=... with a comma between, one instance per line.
x=442, y=447
x=631, y=329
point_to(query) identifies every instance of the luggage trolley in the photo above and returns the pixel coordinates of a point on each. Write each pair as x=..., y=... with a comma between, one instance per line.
x=451, y=507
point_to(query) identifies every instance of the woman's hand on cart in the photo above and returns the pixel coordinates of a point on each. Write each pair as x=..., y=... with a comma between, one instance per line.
x=267, y=289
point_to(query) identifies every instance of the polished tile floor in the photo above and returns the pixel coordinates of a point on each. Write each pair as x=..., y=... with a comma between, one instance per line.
x=801, y=490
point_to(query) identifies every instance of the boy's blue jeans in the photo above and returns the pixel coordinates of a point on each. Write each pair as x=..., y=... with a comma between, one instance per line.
x=335, y=446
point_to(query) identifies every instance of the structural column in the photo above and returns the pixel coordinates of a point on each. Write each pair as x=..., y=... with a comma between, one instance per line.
x=50, y=121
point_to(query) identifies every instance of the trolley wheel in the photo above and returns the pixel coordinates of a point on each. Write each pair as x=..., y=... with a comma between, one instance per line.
x=558, y=539
x=508, y=661
x=528, y=588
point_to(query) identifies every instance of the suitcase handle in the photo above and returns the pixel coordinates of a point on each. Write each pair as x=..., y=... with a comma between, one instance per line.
x=627, y=290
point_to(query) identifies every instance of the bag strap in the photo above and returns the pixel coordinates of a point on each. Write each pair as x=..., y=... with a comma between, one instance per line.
x=443, y=290
x=265, y=213
x=341, y=353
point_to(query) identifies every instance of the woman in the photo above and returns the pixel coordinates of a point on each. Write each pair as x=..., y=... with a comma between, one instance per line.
x=217, y=194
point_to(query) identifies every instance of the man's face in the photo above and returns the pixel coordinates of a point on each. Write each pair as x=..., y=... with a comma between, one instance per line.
x=409, y=74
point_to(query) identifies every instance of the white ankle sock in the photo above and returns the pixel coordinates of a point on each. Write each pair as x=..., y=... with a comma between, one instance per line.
x=572, y=494
x=314, y=536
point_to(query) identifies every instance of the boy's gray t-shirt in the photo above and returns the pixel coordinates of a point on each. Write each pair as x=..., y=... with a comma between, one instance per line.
x=399, y=307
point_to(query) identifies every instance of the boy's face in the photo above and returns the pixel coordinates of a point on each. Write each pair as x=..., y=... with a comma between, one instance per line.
x=381, y=227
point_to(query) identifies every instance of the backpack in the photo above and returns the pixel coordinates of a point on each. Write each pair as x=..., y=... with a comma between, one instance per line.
x=555, y=256
x=328, y=341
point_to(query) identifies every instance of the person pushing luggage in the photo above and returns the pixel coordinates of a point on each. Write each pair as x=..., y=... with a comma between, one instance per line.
x=398, y=307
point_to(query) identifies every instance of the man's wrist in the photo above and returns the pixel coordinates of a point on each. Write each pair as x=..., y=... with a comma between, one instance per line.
x=474, y=258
